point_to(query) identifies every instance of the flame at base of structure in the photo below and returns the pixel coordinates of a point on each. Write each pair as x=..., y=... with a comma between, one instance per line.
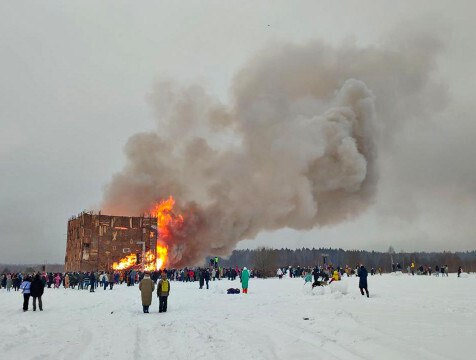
x=167, y=221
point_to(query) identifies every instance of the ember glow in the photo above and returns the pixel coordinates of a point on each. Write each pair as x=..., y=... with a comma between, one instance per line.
x=167, y=221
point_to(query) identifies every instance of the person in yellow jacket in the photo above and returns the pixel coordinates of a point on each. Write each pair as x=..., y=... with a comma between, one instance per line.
x=163, y=290
x=335, y=276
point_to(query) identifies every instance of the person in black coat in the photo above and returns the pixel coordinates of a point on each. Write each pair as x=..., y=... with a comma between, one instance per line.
x=36, y=290
x=206, y=276
x=92, y=281
x=362, y=274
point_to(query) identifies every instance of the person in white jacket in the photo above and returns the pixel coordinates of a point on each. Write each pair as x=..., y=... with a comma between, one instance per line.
x=280, y=273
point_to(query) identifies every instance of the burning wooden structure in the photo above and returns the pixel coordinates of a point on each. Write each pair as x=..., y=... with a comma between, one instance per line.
x=97, y=241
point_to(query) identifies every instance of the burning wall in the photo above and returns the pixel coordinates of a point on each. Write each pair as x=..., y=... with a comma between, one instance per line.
x=105, y=242
x=96, y=241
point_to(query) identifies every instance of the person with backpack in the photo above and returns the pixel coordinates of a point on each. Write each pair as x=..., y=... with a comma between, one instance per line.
x=163, y=291
x=25, y=288
x=36, y=290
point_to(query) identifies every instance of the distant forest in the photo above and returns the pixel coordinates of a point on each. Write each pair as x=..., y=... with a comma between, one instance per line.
x=266, y=258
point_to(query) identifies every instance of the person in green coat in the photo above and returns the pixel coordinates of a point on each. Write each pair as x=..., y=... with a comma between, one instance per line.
x=245, y=276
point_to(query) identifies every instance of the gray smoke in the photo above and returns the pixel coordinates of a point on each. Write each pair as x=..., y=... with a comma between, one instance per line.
x=296, y=146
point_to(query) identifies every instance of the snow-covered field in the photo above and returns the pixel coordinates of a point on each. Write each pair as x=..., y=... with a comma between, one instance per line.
x=406, y=317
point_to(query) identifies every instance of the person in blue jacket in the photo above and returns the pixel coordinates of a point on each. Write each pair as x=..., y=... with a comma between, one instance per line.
x=25, y=288
x=362, y=274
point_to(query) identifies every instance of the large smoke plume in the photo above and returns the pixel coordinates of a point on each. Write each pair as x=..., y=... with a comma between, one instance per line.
x=295, y=147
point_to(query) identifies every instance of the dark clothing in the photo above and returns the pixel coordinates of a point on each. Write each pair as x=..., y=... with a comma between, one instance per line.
x=362, y=274
x=40, y=303
x=26, y=301
x=37, y=288
x=162, y=303
x=92, y=280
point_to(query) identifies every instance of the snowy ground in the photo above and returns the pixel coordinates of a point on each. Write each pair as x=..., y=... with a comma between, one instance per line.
x=406, y=317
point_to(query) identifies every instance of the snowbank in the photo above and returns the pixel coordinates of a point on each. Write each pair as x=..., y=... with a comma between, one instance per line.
x=406, y=317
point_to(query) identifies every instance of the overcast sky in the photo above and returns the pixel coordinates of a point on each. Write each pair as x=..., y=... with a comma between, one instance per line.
x=74, y=83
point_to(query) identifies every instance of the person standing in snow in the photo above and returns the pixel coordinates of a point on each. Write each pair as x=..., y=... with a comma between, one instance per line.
x=36, y=290
x=362, y=274
x=66, y=281
x=57, y=281
x=279, y=273
x=201, y=277
x=206, y=276
x=112, y=279
x=92, y=282
x=146, y=287
x=245, y=276
x=9, y=282
x=105, y=280
x=25, y=288
x=163, y=291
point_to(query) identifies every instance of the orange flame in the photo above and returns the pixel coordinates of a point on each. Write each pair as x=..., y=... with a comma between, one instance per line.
x=125, y=263
x=166, y=220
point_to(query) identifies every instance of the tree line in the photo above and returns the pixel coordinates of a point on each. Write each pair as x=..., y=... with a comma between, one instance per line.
x=270, y=259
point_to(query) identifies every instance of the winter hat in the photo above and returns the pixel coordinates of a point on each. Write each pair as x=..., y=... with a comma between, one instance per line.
x=245, y=268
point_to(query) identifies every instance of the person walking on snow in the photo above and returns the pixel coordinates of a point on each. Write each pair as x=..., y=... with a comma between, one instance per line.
x=279, y=273
x=245, y=276
x=163, y=291
x=146, y=287
x=362, y=274
x=25, y=288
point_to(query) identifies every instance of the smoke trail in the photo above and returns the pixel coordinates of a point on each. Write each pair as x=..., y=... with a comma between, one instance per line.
x=295, y=148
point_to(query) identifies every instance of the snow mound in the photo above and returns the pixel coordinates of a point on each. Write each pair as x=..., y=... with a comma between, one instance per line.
x=339, y=287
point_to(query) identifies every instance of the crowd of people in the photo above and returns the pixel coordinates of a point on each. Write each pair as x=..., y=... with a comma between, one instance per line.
x=32, y=286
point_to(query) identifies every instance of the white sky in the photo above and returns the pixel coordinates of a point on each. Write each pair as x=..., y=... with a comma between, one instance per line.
x=74, y=77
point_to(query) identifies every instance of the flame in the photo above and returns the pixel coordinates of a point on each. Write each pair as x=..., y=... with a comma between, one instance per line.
x=125, y=263
x=161, y=256
x=166, y=221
